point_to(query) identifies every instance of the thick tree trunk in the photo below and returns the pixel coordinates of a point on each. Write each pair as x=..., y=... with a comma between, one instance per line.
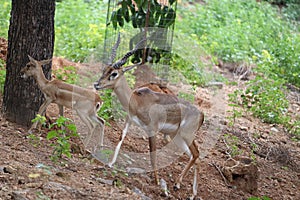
x=31, y=32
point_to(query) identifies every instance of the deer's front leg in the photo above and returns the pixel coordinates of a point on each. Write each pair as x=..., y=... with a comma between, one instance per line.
x=124, y=133
x=152, y=145
x=41, y=112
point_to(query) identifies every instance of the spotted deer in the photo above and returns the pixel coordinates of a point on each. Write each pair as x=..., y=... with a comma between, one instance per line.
x=154, y=112
x=85, y=102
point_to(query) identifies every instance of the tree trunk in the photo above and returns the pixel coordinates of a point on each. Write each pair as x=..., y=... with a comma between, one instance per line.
x=31, y=32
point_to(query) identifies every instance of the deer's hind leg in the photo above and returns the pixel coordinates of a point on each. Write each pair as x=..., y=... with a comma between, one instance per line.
x=193, y=151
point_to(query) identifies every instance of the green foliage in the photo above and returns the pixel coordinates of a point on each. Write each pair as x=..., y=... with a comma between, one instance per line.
x=33, y=138
x=152, y=14
x=186, y=96
x=294, y=129
x=159, y=16
x=40, y=119
x=106, y=111
x=236, y=112
x=5, y=7
x=292, y=11
x=79, y=28
x=63, y=130
x=290, y=8
x=185, y=67
x=259, y=198
x=67, y=74
x=284, y=58
x=2, y=76
x=233, y=145
x=265, y=99
x=243, y=30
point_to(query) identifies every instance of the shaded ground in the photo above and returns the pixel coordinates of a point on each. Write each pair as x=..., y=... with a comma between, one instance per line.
x=26, y=171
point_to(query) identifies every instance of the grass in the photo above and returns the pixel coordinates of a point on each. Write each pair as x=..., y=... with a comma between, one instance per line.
x=5, y=7
x=236, y=30
x=79, y=28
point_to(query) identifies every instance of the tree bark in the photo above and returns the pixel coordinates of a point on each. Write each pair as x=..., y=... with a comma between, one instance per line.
x=31, y=32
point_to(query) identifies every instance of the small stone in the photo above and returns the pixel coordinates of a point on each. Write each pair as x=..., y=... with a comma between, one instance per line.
x=244, y=128
x=133, y=170
x=273, y=129
x=105, y=181
x=140, y=193
x=164, y=187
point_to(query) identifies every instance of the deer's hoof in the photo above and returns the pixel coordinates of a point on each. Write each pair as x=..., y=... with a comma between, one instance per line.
x=110, y=165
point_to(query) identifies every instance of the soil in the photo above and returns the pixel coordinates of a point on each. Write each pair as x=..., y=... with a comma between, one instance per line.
x=271, y=169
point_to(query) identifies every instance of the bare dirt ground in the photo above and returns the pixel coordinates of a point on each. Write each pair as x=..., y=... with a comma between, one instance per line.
x=272, y=169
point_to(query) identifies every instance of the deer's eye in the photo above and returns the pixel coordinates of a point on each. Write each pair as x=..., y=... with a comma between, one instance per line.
x=113, y=76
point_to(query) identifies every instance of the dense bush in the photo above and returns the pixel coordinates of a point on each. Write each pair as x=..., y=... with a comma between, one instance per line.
x=5, y=8
x=79, y=28
x=236, y=30
x=290, y=8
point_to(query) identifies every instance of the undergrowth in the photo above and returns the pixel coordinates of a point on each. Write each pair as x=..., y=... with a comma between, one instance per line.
x=79, y=28
x=243, y=31
x=60, y=134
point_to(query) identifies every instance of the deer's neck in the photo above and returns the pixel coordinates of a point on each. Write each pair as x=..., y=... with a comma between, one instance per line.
x=41, y=79
x=123, y=92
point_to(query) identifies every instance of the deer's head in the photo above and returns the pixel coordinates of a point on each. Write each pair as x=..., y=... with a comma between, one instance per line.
x=113, y=72
x=33, y=67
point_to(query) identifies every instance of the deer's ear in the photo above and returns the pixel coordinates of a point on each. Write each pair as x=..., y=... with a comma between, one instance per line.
x=31, y=59
x=45, y=62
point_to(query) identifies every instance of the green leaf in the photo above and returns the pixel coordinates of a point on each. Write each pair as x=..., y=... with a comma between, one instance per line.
x=120, y=17
x=51, y=135
x=139, y=2
x=114, y=19
x=134, y=22
x=170, y=18
x=171, y=1
x=145, y=6
x=126, y=14
x=72, y=128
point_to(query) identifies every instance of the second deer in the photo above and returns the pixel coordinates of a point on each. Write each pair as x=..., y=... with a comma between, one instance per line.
x=154, y=112
x=85, y=102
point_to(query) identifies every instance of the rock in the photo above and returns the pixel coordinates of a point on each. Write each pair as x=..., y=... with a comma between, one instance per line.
x=133, y=170
x=244, y=128
x=140, y=193
x=105, y=181
x=164, y=187
x=215, y=84
x=273, y=129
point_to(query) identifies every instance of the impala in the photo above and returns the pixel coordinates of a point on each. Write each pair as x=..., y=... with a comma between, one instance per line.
x=85, y=102
x=154, y=112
